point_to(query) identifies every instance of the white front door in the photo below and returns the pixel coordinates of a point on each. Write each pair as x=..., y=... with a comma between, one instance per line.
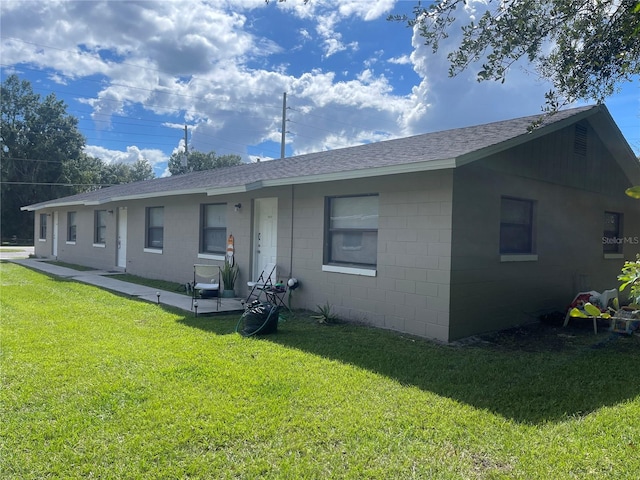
x=265, y=233
x=54, y=248
x=122, y=238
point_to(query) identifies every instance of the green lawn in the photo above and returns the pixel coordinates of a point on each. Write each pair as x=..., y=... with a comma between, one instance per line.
x=95, y=385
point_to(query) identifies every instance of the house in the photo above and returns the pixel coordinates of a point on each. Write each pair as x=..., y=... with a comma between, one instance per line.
x=442, y=235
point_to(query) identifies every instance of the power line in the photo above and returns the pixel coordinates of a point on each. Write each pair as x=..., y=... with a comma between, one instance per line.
x=54, y=184
x=150, y=107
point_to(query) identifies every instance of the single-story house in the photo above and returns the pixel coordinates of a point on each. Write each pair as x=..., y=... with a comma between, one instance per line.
x=442, y=235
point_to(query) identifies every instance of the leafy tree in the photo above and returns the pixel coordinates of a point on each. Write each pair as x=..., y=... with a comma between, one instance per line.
x=586, y=48
x=36, y=138
x=198, y=161
x=42, y=156
x=141, y=170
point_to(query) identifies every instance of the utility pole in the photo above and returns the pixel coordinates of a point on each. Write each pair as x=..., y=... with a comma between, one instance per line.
x=284, y=124
x=183, y=160
x=186, y=148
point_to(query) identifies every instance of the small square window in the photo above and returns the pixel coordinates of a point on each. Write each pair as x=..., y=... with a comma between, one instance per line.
x=351, y=232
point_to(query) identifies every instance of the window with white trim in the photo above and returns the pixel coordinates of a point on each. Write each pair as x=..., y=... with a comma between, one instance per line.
x=213, y=228
x=351, y=230
x=100, y=227
x=43, y=226
x=71, y=226
x=517, y=225
x=155, y=227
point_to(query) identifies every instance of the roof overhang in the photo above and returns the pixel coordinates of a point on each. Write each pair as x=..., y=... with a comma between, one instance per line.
x=346, y=175
x=534, y=133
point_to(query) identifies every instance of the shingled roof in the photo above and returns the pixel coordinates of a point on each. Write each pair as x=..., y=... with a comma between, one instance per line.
x=430, y=151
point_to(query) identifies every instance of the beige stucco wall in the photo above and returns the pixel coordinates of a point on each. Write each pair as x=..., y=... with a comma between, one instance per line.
x=491, y=294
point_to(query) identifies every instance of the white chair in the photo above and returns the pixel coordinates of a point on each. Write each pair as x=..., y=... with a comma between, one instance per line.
x=607, y=296
x=206, y=278
x=266, y=279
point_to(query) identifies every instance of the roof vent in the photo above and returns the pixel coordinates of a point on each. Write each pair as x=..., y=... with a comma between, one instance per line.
x=580, y=140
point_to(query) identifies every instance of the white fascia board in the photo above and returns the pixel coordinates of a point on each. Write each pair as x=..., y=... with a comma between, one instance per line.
x=228, y=190
x=29, y=208
x=166, y=193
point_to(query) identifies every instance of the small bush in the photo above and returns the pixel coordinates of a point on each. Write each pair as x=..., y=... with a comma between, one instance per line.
x=630, y=276
x=325, y=314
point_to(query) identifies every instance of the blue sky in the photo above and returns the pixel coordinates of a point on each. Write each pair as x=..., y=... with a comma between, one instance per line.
x=134, y=73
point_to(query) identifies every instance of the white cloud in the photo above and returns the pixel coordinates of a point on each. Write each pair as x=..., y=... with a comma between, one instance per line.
x=443, y=102
x=131, y=155
x=401, y=60
x=209, y=64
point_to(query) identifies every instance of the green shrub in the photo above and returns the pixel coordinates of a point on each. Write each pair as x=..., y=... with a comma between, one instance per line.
x=630, y=276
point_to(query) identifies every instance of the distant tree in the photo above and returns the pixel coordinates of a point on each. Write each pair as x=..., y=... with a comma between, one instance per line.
x=198, y=161
x=141, y=170
x=37, y=137
x=42, y=156
x=585, y=48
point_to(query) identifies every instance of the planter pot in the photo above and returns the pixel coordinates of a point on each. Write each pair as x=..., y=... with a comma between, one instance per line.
x=228, y=293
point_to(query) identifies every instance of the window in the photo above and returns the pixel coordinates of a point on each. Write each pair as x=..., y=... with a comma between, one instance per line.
x=100, y=227
x=71, y=226
x=612, y=233
x=351, y=232
x=516, y=226
x=43, y=226
x=155, y=227
x=213, y=228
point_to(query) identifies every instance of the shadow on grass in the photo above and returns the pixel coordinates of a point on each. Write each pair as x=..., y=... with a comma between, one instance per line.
x=535, y=375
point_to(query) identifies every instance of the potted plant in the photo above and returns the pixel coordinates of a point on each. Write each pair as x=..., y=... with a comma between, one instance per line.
x=229, y=274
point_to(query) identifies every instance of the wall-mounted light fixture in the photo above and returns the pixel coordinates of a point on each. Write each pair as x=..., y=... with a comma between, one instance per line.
x=237, y=206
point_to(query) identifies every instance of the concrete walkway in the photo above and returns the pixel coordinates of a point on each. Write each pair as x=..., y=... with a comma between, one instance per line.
x=109, y=281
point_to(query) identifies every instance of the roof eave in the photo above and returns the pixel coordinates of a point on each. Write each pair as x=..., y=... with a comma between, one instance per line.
x=347, y=175
x=525, y=137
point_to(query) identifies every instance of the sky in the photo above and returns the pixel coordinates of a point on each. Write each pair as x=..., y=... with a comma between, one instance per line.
x=135, y=73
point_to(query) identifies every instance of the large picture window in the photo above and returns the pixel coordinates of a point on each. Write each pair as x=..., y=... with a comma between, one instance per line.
x=516, y=226
x=43, y=226
x=612, y=233
x=100, y=227
x=213, y=228
x=351, y=230
x=71, y=227
x=155, y=227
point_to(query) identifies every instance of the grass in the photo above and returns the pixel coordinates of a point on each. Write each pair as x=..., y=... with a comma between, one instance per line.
x=159, y=284
x=73, y=266
x=125, y=277
x=98, y=385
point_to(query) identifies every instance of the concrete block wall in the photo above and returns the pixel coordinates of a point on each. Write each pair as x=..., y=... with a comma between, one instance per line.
x=410, y=290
